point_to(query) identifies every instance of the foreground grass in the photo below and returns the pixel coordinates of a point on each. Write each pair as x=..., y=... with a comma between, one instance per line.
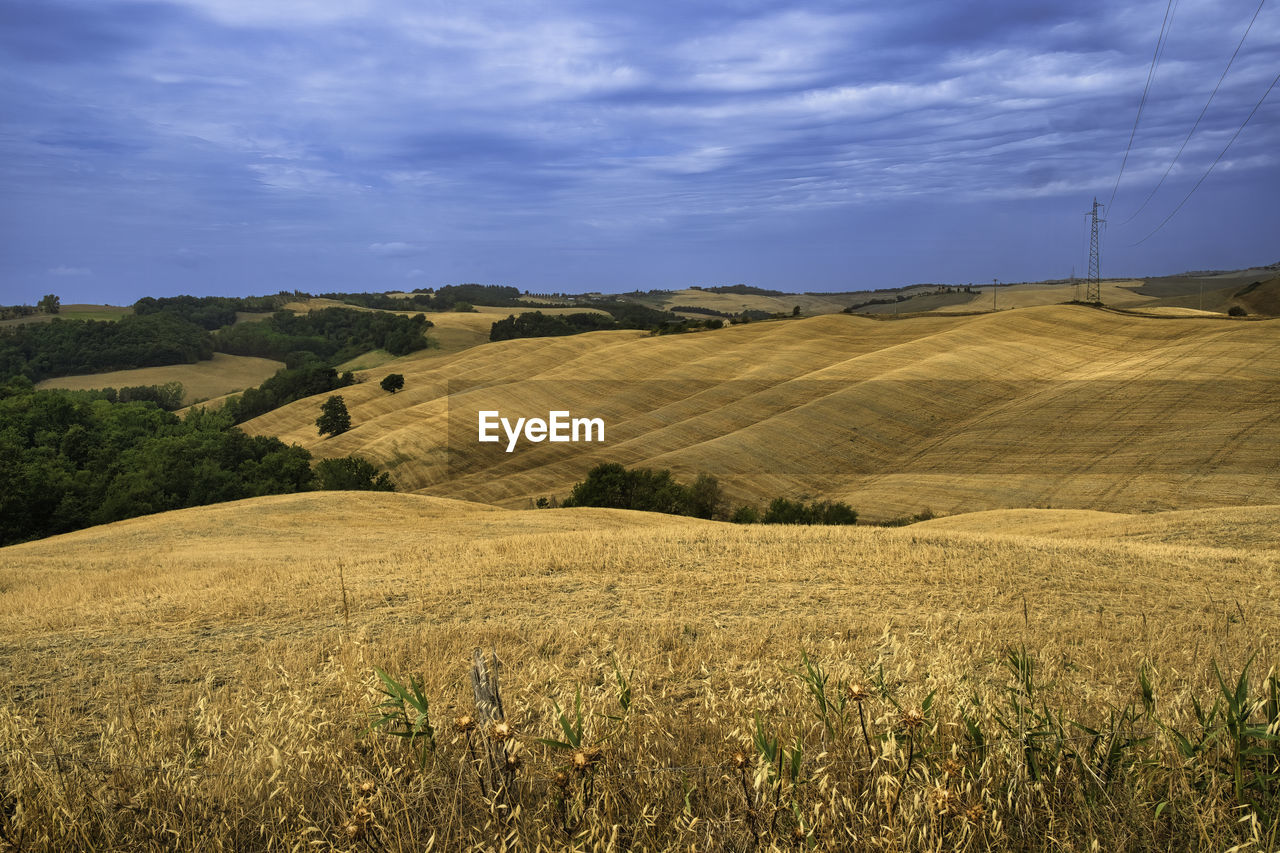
x=205, y=680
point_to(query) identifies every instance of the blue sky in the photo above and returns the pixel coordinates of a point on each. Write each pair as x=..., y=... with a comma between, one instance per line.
x=250, y=146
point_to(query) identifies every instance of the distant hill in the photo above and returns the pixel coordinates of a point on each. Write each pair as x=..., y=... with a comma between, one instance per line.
x=1061, y=406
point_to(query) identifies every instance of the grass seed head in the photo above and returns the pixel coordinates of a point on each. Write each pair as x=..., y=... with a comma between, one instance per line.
x=858, y=692
x=500, y=732
x=464, y=724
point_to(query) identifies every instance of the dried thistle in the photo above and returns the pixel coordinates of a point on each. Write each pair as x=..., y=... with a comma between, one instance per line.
x=911, y=720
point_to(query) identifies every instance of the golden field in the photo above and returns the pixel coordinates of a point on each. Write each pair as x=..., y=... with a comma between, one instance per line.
x=220, y=375
x=204, y=679
x=1053, y=406
x=1054, y=664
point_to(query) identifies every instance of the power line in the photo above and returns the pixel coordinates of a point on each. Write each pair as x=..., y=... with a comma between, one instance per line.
x=1151, y=194
x=1211, y=165
x=1165, y=26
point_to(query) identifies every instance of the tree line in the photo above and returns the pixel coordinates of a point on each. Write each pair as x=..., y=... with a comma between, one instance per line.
x=330, y=335
x=618, y=315
x=64, y=347
x=617, y=487
x=70, y=460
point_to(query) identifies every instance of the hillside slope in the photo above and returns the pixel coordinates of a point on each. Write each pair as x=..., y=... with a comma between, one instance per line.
x=1057, y=406
x=213, y=669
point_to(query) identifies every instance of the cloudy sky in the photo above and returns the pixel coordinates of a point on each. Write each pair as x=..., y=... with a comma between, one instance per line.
x=250, y=146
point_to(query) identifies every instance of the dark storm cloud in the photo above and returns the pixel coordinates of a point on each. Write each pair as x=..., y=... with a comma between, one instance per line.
x=237, y=143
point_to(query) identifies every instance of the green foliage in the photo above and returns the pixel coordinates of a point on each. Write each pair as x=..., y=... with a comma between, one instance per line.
x=745, y=514
x=207, y=312
x=621, y=315
x=502, y=296
x=611, y=485
x=167, y=396
x=783, y=511
x=699, y=309
x=1237, y=311
x=15, y=312
x=392, y=382
x=393, y=714
x=535, y=324
x=334, y=418
x=352, y=473
x=284, y=387
x=50, y=304
x=64, y=347
x=679, y=327
x=73, y=459
x=745, y=290
x=571, y=726
x=331, y=335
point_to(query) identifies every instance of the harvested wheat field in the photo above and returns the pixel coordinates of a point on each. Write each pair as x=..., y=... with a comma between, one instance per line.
x=205, y=679
x=220, y=375
x=1056, y=406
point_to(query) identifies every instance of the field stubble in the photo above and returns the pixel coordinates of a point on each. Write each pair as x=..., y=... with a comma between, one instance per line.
x=204, y=680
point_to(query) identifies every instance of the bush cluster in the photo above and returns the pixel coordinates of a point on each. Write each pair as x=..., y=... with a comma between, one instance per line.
x=612, y=485
x=74, y=459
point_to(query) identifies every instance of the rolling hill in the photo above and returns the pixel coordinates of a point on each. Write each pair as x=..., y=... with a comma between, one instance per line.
x=1054, y=406
x=211, y=670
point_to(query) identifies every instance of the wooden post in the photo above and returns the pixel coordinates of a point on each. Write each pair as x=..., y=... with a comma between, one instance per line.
x=500, y=757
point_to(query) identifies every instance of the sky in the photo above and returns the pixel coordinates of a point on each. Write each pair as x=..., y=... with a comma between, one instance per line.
x=253, y=146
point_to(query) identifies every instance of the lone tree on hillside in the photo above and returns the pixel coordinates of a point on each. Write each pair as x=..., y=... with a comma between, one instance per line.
x=334, y=418
x=393, y=382
x=50, y=304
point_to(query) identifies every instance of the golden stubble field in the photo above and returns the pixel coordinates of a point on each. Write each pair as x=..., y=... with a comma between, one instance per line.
x=203, y=380
x=204, y=679
x=1046, y=407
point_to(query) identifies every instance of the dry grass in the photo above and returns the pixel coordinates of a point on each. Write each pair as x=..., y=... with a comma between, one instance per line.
x=1063, y=407
x=203, y=679
x=223, y=374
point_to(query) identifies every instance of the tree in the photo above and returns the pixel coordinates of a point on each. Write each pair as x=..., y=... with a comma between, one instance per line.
x=334, y=418
x=50, y=304
x=393, y=382
x=352, y=473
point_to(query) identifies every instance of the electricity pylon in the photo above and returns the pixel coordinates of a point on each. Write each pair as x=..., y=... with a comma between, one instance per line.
x=1093, y=285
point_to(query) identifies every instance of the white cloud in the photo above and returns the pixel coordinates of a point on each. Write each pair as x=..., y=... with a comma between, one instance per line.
x=397, y=249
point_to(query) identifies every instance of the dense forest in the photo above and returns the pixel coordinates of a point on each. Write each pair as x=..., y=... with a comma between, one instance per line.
x=620, y=315
x=450, y=297
x=73, y=459
x=331, y=335
x=63, y=347
x=208, y=312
